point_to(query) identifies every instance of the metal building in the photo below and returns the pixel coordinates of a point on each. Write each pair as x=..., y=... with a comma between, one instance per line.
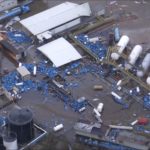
x=56, y=19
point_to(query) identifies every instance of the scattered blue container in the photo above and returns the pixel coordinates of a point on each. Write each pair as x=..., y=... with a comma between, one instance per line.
x=146, y=102
x=117, y=34
x=14, y=12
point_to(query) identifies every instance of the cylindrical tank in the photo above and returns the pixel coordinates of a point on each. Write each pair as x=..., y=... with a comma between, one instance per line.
x=20, y=121
x=124, y=40
x=10, y=141
x=145, y=66
x=148, y=80
x=134, y=55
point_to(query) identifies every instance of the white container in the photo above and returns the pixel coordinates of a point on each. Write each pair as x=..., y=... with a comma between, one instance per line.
x=96, y=112
x=134, y=122
x=134, y=55
x=94, y=39
x=148, y=80
x=119, y=82
x=137, y=89
x=119, y=88
x=58, y=127
x=124, y=40
x=82, y=109
x=145, y=66
x=100, y=107
x=10, y=141
x=34, y=70
x=115, y=95
x=20, y=64
x=20, y=83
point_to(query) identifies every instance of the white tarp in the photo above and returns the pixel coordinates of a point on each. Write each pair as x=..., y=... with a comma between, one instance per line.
x=54, y=17
x=60, y=52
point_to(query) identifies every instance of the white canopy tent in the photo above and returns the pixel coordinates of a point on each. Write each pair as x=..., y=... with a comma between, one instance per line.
x=60, y=52
x=56, y=17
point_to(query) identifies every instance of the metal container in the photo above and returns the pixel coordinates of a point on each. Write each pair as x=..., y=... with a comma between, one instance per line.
x=20, y=121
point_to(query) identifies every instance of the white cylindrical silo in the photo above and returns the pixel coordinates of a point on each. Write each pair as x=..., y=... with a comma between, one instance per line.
x=124, y=40
x=148, y=80
x=144, y=66
x=134, y=55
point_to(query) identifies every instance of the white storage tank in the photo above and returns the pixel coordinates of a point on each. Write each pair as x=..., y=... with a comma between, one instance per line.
x=124, y=40
x=134, y=55
x=148, y=80
x=145, y=66
x=10, y=141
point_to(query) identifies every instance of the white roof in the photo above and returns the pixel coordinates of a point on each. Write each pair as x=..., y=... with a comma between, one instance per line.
x=55, y=16
x=60, y=52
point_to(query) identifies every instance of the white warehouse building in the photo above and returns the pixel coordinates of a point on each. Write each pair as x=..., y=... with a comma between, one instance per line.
x=56, y=19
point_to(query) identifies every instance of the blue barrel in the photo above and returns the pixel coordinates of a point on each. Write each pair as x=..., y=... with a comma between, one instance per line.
x=117, y=34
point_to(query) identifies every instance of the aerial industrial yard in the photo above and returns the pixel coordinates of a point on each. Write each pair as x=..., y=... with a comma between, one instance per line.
x=75, y=75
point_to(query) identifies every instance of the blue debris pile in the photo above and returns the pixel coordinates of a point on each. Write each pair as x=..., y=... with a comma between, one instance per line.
x=102, y=144
x=79, y=103
x=12, y=79
x=18, y=37
x=146, y=101
x=78, y=68
x=43, y=69
x=47, y=71
x=121, y=102
x=113, y=134
x=142, y=129
x=99, y=49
